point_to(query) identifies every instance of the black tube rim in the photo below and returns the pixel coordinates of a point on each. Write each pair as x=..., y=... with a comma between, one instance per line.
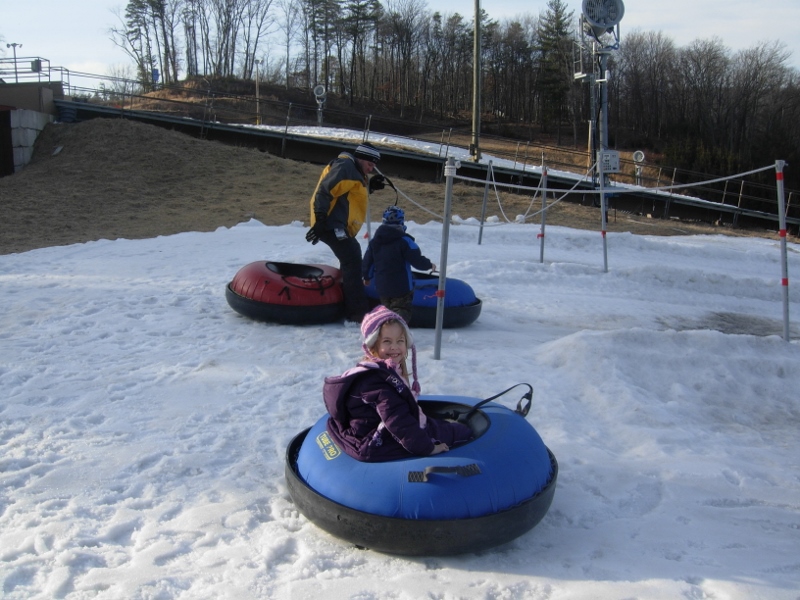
x=410, y=537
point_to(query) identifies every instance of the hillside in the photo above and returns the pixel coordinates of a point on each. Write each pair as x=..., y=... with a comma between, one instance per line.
x=114, y=178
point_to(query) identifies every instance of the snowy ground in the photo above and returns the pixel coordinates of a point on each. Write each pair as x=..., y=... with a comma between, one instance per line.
x=143, y=423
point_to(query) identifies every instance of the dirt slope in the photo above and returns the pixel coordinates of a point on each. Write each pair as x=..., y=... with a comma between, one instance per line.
x=114, y=178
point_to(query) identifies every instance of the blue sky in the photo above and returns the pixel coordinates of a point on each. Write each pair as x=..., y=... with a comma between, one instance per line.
x=75, y=34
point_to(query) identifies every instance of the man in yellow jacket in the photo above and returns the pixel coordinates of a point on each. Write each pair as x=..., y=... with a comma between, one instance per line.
x=338, y=210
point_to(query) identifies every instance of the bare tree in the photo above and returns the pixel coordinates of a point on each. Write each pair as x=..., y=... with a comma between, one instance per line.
x=360, y=21
x=645, y=63
x=290, y=10
x=404, y=18
x=758, y=73
x=510, y=63
x=256, y=20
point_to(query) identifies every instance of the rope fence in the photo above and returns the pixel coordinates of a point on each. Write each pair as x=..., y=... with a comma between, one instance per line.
x=541, y=190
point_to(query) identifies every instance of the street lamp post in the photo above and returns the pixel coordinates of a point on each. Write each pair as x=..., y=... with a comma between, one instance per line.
x=258, y=101
x=475, y=149
x=14, y=46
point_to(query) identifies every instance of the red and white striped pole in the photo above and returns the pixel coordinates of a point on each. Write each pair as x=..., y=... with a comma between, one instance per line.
x=779, y=164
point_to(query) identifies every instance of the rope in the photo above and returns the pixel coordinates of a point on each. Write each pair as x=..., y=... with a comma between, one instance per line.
x=564, y=194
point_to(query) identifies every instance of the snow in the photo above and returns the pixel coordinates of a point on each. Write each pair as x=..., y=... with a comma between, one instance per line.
x=143, y=423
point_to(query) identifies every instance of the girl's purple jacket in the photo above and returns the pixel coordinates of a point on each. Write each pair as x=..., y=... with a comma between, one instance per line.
x=374, y=416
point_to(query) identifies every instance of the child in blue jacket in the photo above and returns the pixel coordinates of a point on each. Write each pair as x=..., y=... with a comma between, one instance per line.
x=389, y=257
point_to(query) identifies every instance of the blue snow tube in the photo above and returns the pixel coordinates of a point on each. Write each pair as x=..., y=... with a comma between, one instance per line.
x=461, y=306
x=484, y=493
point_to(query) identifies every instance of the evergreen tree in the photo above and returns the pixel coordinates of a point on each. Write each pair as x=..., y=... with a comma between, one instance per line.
x=556, y=38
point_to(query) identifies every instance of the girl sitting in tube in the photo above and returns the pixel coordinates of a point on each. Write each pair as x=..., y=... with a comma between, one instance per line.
x=374, y=413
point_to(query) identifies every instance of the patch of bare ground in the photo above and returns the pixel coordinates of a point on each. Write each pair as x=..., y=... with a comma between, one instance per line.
x=115, y=178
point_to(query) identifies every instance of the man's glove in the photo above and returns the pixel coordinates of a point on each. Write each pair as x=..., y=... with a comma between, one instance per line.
x=313, y=234
x=377, y=183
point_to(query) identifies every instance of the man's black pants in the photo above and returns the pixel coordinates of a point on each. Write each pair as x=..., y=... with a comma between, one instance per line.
x=348, y=251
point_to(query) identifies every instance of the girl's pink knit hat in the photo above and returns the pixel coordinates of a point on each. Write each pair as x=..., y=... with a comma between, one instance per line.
x=371, y=327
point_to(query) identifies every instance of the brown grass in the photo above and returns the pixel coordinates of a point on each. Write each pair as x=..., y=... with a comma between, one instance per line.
x=115, y=178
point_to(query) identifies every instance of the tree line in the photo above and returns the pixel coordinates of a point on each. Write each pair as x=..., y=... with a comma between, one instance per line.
x=703, y=107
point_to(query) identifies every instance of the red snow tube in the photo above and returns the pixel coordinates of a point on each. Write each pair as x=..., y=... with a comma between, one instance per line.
x=287, y=293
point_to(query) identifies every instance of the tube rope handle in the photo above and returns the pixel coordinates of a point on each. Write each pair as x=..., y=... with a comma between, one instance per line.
x=520, y=410
x=313, y=282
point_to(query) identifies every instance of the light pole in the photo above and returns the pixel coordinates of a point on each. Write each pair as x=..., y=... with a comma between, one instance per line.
x=601, y=17
x=258, y=101
x=14, y=46
x=475, y=149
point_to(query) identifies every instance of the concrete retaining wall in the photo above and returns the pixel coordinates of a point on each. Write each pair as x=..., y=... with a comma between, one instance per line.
x=25, y=126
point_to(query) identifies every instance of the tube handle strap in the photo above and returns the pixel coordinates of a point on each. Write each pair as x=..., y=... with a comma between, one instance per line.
x=461, y=470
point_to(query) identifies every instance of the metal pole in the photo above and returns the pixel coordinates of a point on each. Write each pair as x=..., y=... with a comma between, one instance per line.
x=258, y=100
x=603, y=223
x=14, y=45
x=485, y=198
x=604, y=103
x=449, y=173
x=475, y=150
x=603, y=146
x=367, y=126
x=784, y=259
x=286, y=131
x=544, y=214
